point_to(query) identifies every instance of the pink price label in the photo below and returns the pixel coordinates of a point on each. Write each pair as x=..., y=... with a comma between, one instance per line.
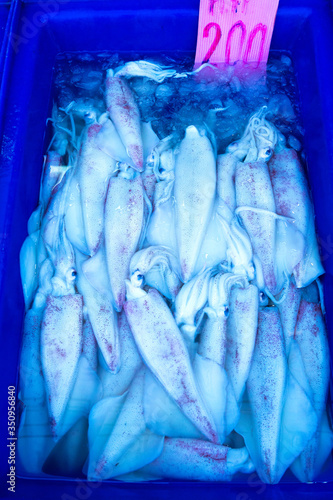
x=235, y=30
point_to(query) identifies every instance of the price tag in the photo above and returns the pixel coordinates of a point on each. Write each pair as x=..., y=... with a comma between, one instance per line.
x=235, y=30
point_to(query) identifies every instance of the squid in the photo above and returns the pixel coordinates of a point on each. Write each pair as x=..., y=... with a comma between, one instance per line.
x=158, y=267
x=125, y=114
x=210, y=360
x=311, y=337
x=254, y=194
x=292, y=198
x=194, y=459
x=124, y=212
x=94, y=168
x=194, y=190
x=101, y=314
x=260, y=422
x=61, y=344
x=61, y=330
x=163, y=350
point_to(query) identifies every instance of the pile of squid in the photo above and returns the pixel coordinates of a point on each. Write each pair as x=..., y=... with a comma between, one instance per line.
x=174, y=322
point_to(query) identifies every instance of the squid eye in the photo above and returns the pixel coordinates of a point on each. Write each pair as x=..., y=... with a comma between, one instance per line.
x=262, y=296
x=71, y=274
x=226, y=312
x=161, y=170
x=152, y=160
x=268, y=152
x=138, y=276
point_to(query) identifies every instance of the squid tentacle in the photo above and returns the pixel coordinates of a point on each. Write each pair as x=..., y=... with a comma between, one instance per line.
x=219, y=291
x=156, y=258
x=239, y=247
x=147, y=219
x=190, y=300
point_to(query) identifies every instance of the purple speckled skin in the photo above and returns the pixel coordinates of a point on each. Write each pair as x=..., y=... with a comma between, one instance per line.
x=61, y=345
x=94, y=169
x=253, y=189
x=125, y=114
x=163, y=350
x=124, y=210
x=292, y=198
x=311, y=336
x=241, y=335
x=266, y=386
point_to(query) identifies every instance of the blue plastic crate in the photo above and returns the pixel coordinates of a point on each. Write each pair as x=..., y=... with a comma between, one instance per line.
x=4, y=11
x=303, y=27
